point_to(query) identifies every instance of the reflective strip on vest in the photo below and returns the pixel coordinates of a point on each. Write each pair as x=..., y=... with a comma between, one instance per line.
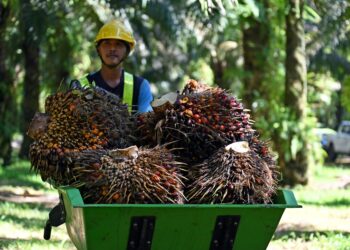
x=128, y=91
x=84, y=82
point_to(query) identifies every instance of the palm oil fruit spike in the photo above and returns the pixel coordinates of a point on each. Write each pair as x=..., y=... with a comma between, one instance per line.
x=232, y=175
x=130, y=175
x=78, y=119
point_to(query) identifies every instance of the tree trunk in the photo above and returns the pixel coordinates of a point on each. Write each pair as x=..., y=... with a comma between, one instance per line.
x=218, y=66
x=7, y=92
x=255, y=52
x=339, y=112
x=30, y=102
x=31, y=88
x=294, y=170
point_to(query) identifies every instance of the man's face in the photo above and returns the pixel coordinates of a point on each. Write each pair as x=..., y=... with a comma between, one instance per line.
x=112, y=52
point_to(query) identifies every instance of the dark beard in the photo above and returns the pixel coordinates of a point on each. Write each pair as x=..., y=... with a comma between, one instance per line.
x=112, y=66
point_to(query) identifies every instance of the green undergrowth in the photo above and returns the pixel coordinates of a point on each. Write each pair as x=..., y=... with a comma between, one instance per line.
x=320, y=240
x=22, y=223
x=330, y=186
x=328, y=194
x=20, y=175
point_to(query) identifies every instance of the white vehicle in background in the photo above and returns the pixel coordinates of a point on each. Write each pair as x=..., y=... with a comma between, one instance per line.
x=338, y=143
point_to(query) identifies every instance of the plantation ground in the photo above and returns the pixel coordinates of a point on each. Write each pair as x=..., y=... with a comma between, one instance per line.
x=322, y=223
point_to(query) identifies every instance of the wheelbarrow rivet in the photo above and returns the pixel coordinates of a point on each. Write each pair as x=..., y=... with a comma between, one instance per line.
x=132, y=243
x=135, y=225
x=148, y=242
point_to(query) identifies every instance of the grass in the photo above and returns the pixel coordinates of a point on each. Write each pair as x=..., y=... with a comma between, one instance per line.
x=326, y=188
x=324, y=221
x=19, y=175
x=22, y=228
x=37, y=244
x=313, y=240
x=21, y=224
x=330, y=198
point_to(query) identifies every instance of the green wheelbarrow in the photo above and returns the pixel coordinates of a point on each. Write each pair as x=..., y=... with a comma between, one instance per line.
x=168, y=226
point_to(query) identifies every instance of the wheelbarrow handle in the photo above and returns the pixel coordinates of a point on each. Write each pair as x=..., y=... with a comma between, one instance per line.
x=47, y=230
x=57, y=217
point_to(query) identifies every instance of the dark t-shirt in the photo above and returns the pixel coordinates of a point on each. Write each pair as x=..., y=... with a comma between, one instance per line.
x=97, y=78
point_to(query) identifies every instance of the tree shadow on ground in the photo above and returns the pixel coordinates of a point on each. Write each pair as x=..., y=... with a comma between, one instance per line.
x=21, y=175
x=12, y=243
x=26, y=223
x=22, y=182
x=306, y=235
x=44, y=200
x=333, y=203
x=32, y=206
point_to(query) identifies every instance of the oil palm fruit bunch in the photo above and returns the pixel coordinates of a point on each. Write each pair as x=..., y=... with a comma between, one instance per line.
x=129, y=175
x=76, y=120
x=233, y=174
x=199, y=120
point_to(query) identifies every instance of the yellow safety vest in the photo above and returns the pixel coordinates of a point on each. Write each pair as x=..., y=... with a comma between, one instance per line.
x=128, y=90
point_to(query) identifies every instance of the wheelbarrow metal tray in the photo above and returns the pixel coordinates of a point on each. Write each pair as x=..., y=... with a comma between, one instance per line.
x=172, y=226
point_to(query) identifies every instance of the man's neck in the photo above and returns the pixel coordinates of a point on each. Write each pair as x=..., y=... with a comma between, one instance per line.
x=111, y=76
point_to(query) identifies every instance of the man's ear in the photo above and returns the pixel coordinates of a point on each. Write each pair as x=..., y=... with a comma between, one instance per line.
x=98, y=52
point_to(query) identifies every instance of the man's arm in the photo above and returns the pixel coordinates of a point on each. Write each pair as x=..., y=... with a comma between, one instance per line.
x=145, y=97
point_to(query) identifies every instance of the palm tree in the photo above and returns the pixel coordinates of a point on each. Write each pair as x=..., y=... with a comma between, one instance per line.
x=294, y=169
x=7, y=88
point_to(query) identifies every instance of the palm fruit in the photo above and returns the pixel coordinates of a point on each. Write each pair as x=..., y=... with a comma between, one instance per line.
x=76, y=120
x=130, y=175
x=38, y=125
x=194, y=86
x=199, y=121
x=234, y=174
x=262, y=149
x=145, y=132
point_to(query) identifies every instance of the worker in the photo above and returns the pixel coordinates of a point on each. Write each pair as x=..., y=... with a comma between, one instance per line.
x=113, y=43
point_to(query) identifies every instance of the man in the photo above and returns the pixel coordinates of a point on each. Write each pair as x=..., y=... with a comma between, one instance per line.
x=113, y=44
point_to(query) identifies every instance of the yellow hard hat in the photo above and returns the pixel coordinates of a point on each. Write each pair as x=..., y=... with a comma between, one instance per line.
x=116, y=30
